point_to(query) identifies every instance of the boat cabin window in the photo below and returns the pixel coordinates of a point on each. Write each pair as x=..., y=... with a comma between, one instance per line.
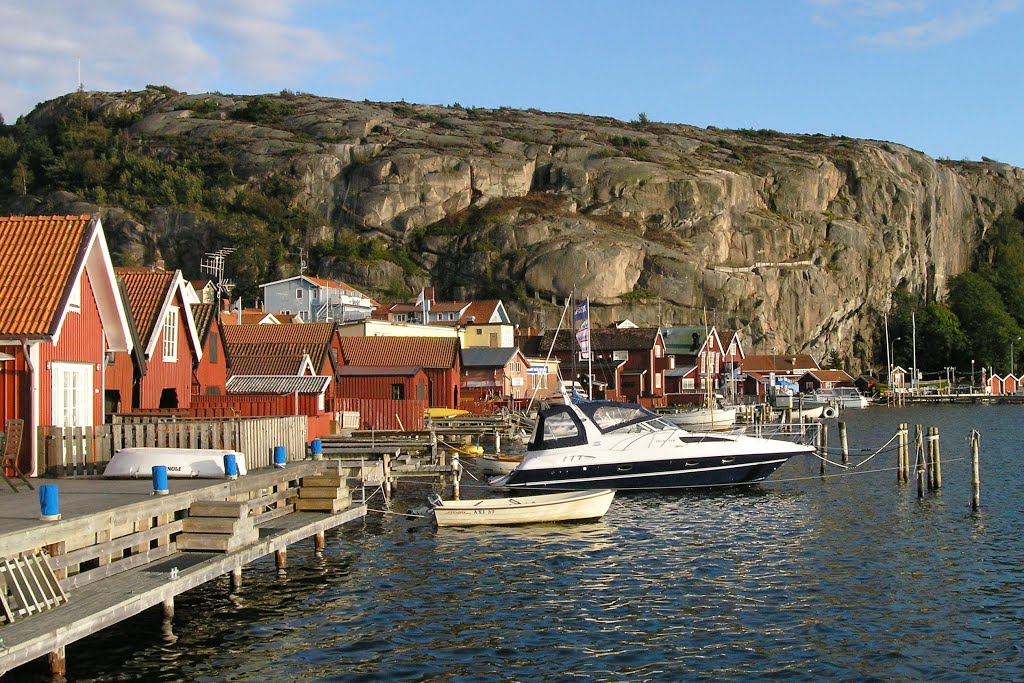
x=611, y=415
x=557, y=427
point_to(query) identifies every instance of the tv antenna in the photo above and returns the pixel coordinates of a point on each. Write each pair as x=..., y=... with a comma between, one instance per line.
x=302, y=260
x=213, y=263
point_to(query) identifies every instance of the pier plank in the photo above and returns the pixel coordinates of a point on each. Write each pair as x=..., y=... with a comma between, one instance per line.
x=100, y=604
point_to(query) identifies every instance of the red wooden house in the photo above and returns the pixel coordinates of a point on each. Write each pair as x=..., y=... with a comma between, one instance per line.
x=393, y=384
x=254, y=348
x=60, y=316
x=493, y=373
x=439, y=358
x=812, y=380
x=629, y=362
x=210, y=375
x=166, y=331
x=760, y=370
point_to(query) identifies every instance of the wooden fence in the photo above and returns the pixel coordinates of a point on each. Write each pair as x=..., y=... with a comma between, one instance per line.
x=79, y=451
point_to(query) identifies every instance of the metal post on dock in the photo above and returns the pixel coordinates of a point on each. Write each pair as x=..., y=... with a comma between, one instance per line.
x=843, y=443
x=975, y=471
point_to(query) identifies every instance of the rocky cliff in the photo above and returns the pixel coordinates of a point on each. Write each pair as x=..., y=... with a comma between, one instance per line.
x=797, y=240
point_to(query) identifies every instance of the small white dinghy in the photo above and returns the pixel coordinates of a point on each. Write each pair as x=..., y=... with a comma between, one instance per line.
x=204, y=463
x=496, y=464
x=550, y=507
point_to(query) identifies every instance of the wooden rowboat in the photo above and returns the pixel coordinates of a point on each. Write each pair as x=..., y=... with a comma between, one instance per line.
x=550, y=507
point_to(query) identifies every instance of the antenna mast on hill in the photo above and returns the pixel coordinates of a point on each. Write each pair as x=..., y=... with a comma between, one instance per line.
x=302, y=261
x=213, y=263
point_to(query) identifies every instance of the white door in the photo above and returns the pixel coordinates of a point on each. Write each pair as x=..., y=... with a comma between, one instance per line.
x=72, y=394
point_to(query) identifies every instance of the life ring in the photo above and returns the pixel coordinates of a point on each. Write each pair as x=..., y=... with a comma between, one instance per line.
x=830, y=411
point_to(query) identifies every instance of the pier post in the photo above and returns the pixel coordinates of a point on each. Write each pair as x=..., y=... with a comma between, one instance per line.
x=456, y=475
x=497, y=441
x=904, y=475
x=822, y=445
x=281, y=560
x=937, y=461
x=236, y=579
x=58, y=664
x=320, y=541
x=168, y=607
x=843, y=443
x=920, y=449
x=386, y=465
x=975, y=471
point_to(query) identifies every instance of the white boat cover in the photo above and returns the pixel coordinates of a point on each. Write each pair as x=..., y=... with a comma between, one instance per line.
x=138, y=463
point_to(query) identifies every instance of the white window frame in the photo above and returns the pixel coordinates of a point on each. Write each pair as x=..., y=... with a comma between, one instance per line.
x=298, y=294
x=170, y=334
x=72, y=394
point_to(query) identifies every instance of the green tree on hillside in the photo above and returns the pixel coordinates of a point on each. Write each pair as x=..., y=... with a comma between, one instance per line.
x=979, y=307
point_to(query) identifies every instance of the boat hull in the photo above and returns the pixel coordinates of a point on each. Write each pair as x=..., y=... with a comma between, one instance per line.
x=652, y=474
x=496, y=465
x=557, y=507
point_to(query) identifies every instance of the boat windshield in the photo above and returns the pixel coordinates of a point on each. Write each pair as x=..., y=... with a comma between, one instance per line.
x=610, y=416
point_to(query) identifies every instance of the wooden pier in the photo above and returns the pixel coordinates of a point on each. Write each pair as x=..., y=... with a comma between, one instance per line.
x=119, y=549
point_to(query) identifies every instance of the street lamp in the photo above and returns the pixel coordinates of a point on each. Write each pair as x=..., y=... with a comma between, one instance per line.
x=1011, y=353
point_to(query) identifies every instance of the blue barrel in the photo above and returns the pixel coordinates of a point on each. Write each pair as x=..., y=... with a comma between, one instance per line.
x=317, y=449
x=280, y=456
x=49, y=505
x=230, y=466
x=160, y=480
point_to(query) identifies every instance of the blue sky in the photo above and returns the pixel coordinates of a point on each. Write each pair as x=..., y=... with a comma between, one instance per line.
x=942, y=76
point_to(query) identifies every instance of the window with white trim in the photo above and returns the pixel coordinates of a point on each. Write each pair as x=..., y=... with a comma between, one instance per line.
x=171, y=334
x=298, y=294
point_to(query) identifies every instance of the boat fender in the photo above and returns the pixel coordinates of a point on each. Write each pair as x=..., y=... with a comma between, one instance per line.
x=830, y=411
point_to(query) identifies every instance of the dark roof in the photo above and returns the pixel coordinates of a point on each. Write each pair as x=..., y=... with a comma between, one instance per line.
x=779, y=362
x=483, y=357
x=147, y=289
x=285, y=364
x=204, y=315
x=277, y=384
x=605, y=339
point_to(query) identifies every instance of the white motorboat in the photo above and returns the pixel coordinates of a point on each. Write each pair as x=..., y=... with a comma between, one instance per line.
x=841, y=397
x=607, y=444
x=552, y=507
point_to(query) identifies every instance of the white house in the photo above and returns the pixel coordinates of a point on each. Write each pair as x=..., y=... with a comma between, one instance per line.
x=316, y=299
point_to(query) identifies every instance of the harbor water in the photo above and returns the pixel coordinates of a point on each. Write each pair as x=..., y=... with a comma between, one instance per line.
x=847, y=577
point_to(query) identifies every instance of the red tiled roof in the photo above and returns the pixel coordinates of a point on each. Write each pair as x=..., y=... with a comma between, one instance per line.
x=146, y=290
x=480, y=311
x=38, y=257
x=831, y=375
x=313, y=339
x=426, y=352
x=250, y=316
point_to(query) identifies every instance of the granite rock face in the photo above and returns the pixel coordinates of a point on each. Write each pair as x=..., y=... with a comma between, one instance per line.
x=797, y=240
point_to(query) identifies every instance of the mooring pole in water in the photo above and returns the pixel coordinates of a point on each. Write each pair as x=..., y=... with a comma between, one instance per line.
x=823, y=431
x=920, y=447
x=236, y=579
x=937, y=462
x=281, y=560
x=456, y=472
x=843, y=443
x=899, y=454
x=975, y=471
x=385, y=464
x=319, y=541
x=905, y=450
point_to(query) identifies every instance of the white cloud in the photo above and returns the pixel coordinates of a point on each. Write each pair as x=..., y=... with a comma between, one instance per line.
x=909, y=23
x=256, y=45
x=944, y=28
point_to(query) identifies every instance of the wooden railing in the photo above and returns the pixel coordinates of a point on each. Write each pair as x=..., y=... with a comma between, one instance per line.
x=79, y=451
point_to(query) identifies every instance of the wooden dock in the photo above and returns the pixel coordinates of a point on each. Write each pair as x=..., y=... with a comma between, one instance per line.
x=119, y=549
